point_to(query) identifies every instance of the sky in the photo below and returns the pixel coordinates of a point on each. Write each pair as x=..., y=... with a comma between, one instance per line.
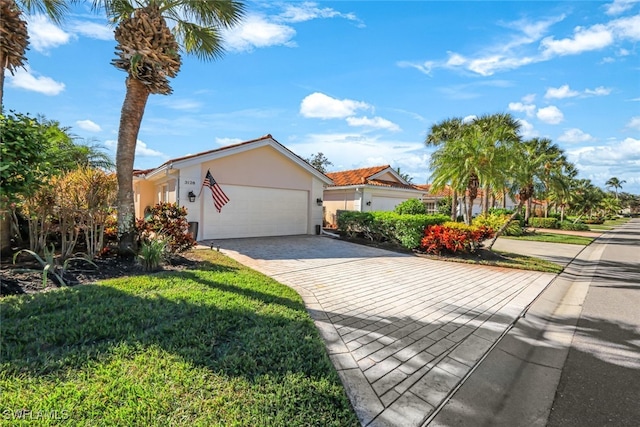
x=363, y=81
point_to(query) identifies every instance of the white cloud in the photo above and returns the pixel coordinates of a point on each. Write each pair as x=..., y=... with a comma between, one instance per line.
x=626, y=28
x=228, y=141
x=375, y=122
x=424, y=67
x=619, y=6
x=528, y=99
x=180, y=104
x=256, y=31
x=44, y=35
x=307, y=11
x=28, y=80
x=520, y=107
x=599, y=91
x=574, y=135
x=634, y=123
x=469, y=118
x=526, y=129
x=455, y=60
x=561, y=92
x=88, y=125
x=92, y=30
x=583, y=40
x=141, y=149
x=550, y=114
x=321, y=106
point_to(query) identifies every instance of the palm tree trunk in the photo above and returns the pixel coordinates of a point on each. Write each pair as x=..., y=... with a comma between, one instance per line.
x=132, y=111
x=2, y=63
x=469, y=210
x=454, y=206
x=505, y=225
x=485, y=200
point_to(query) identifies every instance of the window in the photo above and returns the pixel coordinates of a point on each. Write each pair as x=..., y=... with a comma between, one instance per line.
x=431, y=207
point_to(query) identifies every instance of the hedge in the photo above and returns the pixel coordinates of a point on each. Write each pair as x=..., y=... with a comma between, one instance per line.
x=543, y=222
x=570, y=226
x=405, y=230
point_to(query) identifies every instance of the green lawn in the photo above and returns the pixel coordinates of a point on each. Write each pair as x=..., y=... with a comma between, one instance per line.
x=220, y=345
x=608, y=224
x=553, y=238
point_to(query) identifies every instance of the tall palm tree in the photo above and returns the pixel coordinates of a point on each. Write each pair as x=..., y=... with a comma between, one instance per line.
x=530, y=171
x=448, y=131
x=615, y=183
x=149, y=52
x=14, y=37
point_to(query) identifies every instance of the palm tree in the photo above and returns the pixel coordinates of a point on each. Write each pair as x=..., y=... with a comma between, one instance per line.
x=14, y=37
x=615, y=183
x=149, y=52
x=449, y=131
x=530, y=171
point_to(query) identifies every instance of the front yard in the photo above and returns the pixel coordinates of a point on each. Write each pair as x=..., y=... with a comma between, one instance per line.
x=214, y=345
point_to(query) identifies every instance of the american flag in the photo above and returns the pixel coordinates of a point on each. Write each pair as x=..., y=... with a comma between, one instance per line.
x=219, y=198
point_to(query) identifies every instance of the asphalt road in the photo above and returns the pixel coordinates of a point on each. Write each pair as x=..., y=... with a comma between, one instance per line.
x=600, y=381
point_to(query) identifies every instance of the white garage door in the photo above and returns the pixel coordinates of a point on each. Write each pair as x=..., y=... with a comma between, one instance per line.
x=255, y=212
x=384, y=203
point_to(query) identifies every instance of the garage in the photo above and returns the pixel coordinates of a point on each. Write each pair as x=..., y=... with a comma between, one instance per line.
x=270, y=190
x=256, y=212
x=382, y=203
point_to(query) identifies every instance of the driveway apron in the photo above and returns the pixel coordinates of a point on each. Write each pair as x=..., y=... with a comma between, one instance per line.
x=403, y=331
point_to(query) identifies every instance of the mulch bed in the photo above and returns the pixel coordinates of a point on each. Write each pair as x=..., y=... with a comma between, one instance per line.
x=25, y=276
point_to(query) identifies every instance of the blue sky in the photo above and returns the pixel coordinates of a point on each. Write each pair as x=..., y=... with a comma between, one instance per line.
x=363, y=81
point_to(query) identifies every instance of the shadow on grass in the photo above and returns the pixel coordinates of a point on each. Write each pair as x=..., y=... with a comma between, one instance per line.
x=230, y=321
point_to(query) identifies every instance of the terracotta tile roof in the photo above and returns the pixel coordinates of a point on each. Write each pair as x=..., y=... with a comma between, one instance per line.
x=355, y=176
x=445, y=192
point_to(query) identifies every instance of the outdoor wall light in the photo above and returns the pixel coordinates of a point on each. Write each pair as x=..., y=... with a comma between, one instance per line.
x=369, y=203
x=191, y=196
x=319, y=201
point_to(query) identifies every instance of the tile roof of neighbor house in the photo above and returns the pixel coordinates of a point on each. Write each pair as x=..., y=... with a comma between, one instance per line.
x=445, y=192
x=363, y=176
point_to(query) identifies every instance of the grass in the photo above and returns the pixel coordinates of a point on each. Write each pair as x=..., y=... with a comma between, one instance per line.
x=553, y=238
x=528, y=263
x=220, y=345
x=608, y=224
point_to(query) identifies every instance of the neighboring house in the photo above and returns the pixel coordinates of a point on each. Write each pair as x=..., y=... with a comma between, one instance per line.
x=377, y=188
x=431, y=198
x=271, y=190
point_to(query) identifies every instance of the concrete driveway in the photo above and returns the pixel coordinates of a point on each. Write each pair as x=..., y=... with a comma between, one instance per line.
x=404, y=332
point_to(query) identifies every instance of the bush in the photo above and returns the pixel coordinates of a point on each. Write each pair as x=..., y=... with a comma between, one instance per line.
x=543, y=222
x=495, y=221
x=170, y=220
x=411, y=207
x=568, y=225
x=404, y=230
x=152, y=253
x=454, y=237
x=595, y=220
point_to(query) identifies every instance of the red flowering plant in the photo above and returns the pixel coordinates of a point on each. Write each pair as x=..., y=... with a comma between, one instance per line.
x=454, y=237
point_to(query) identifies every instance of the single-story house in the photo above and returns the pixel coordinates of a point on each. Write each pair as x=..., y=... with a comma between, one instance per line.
x=271, y=190
x=377, y=188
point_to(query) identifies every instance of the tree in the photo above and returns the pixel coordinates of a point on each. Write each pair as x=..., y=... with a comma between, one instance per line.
x=148, y=50
x=14, y=37
x=474, y=154
x=528, y=171
x=615, y=183
x=404, y=176
x=447, y=132
x=319, y=161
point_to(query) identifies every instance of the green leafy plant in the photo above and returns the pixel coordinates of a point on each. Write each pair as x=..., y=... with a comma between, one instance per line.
x=50, y=264
x=152, y=253
x=496, y=220
x=170, y=220
x=543, y=222
x=570, y=226
x=411, y=207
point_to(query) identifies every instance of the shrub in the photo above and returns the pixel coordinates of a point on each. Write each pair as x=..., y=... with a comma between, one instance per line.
x=411, y=207
x=170, y=220
x=495, y=221
x=543, y=222
x=579, y=226
x=594, y=220
x=405, y=230
x=454, y=237
x=152, y=253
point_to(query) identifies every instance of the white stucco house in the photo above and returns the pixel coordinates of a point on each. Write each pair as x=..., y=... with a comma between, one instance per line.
x=376, y=188
x=271, y=190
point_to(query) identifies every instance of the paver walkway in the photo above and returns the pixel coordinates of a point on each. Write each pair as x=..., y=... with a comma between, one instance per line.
x=402, y=331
